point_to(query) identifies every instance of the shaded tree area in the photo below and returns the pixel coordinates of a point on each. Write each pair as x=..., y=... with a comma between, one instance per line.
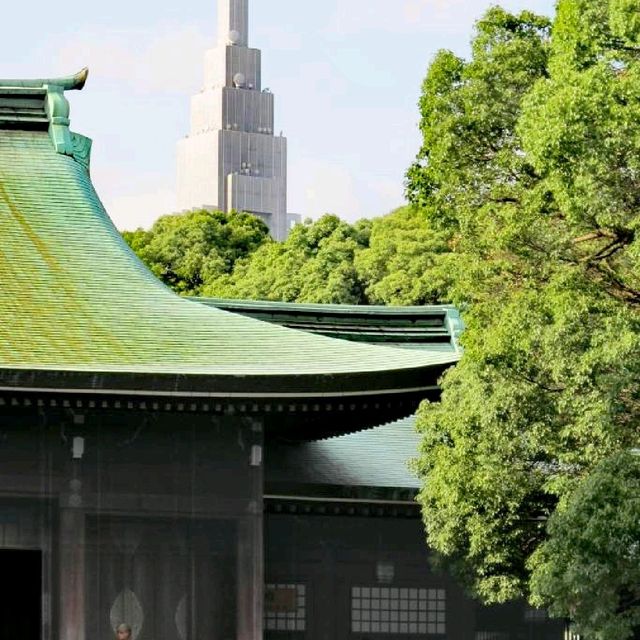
x=194, y=250
x=530, y=161
x=394, y=259
x=314, y=264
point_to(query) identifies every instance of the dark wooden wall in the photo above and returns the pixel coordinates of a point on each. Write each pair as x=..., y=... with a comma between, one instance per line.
x=330, y=555
x=157, y=524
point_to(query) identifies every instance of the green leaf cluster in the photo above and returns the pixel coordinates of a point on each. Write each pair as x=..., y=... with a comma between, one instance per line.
x=406, y=261
x=590, y=565
x=193, y=250
x=530, y=162
x=395, y=259
x=314, y=264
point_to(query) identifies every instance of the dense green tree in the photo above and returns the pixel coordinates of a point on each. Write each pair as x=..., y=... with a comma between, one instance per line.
x=188, y=250
x=589, y=568
x=406, y=262
x=314, y=264
x=469, y=112
x=394, y=259
x=530, y=162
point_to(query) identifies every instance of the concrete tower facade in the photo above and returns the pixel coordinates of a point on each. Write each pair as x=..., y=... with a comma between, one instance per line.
x=231, y=158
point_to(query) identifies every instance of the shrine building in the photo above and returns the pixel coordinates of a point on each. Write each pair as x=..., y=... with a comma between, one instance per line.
x=200, y=469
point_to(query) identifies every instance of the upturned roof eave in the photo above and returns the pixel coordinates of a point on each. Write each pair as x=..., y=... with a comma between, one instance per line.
x=390, y=382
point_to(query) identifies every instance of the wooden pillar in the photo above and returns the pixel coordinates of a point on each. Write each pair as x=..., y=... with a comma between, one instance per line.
x=250, y=579
x=250, y=559
x=72, y=574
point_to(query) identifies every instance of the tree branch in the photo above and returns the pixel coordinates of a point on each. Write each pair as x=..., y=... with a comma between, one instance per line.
x=594, y=235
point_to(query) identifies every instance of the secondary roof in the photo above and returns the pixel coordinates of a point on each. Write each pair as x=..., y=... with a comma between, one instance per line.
x=432, y=328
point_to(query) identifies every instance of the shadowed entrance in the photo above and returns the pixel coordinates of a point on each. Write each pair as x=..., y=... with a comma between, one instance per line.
x=20, y=594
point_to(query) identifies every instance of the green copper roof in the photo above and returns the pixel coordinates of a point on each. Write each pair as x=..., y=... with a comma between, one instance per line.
x=67, y=83
x=378, y=457
x=433, y=328
x=75, y=301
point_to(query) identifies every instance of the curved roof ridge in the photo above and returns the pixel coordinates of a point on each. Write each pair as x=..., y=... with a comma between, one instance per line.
x=68, y=83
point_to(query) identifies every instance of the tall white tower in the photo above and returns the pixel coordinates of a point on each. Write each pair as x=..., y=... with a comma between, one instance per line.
x=231, y=158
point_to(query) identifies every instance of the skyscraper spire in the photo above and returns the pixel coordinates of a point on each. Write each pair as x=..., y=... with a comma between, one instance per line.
x=231, y=159
x=233, y=22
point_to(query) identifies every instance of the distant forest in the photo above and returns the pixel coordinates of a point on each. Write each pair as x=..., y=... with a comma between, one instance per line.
x=397, y=259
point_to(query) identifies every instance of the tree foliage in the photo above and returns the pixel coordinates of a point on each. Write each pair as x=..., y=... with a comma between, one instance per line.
x=590, y=565
x=395, y=259
x=406, y=262
x=530, y=161
x=314, y=264
x=188, y=250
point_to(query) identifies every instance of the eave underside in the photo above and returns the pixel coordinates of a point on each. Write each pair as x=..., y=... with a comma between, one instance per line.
x=288, y=419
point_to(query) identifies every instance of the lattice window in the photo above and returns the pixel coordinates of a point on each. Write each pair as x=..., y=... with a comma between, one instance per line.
x=285, y=607
x=398, y=610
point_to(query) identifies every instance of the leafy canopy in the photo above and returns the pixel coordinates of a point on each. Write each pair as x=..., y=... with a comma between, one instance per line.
x=590, y=565
x=406, y=262
x=395, y=259
x=314, y=264
x=530, y=163
x=187, y=251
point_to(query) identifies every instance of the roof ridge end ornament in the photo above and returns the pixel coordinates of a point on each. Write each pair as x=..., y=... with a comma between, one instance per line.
x=57, y=110
x=68, y=83
x=54, y=109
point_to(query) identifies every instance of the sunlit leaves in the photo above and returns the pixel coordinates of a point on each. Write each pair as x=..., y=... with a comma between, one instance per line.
x=530, y=162
x=191, y=250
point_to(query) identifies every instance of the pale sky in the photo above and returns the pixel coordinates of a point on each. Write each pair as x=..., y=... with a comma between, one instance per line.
x=346, y=76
